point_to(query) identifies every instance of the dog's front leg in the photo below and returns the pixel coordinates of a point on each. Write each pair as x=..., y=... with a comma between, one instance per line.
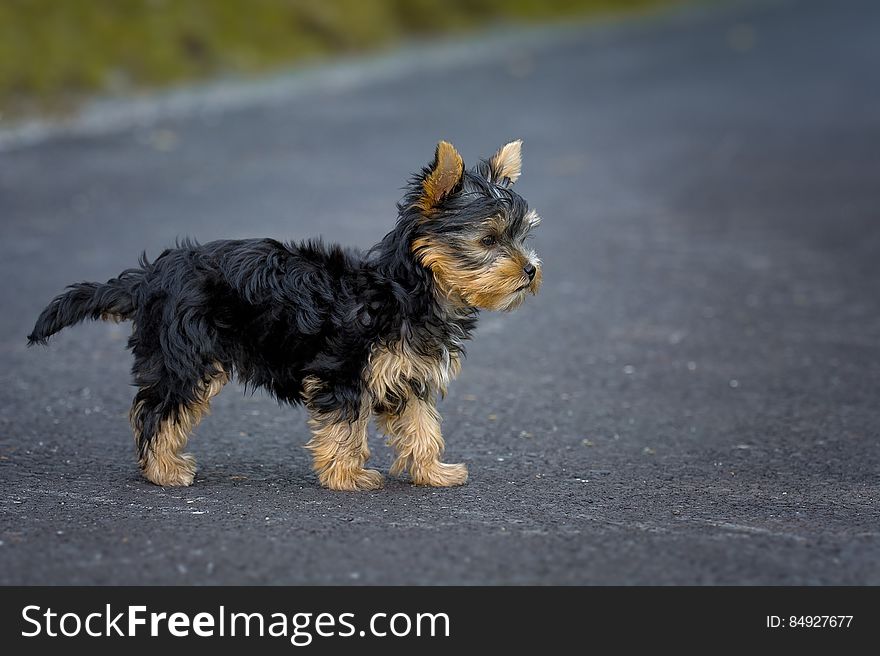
x=414, y=432
x=339, y=451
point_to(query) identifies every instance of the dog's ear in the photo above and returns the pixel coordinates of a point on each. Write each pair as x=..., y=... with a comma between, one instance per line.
x=507, y=162
x=443, y=175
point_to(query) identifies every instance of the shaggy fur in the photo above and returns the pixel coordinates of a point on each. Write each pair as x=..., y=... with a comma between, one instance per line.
x=348, y=334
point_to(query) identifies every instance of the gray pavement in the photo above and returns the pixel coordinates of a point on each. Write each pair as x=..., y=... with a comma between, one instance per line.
x=692, y=399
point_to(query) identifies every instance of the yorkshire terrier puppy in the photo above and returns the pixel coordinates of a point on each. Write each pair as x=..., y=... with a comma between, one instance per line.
x=348, y=334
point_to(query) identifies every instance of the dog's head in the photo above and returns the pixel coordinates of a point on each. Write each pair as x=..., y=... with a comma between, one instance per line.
x=471, y=228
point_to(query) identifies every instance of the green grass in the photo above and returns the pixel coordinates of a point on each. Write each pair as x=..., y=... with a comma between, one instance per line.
x=54, y=53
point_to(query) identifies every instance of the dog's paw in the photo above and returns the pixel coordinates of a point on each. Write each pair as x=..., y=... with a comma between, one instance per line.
x=369, y=479
x=178, y=470
x=440, y=475
x=352, y=480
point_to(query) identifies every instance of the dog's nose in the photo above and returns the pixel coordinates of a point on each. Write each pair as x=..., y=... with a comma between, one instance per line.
x=530, y=271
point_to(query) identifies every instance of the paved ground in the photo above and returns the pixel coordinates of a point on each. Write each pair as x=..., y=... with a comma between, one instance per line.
x=692, y=399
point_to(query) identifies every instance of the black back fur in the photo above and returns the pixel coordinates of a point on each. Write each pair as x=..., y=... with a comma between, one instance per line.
x=272, y=313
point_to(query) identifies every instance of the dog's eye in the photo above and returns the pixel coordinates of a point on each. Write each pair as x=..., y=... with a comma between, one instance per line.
x=489, y=240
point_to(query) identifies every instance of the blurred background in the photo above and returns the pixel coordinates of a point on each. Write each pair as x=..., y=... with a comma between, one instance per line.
x=54, y=54
x=692, y=397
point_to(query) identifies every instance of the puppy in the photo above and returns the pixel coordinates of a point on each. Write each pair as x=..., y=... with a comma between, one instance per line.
x=346, y=333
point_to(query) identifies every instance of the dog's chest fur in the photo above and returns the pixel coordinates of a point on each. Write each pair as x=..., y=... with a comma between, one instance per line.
x=398, y=372
x=418, y=365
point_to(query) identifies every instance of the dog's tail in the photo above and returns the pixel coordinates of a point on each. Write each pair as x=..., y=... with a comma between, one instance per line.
x=111, y=301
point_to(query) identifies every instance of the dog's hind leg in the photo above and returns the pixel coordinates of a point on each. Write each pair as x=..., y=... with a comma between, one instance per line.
x=162, y=422
x=339, y=444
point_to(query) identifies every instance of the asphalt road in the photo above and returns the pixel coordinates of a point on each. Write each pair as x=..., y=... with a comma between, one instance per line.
x=692, y=399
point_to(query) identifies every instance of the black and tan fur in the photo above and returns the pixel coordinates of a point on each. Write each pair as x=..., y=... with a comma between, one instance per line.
x=350, y=335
